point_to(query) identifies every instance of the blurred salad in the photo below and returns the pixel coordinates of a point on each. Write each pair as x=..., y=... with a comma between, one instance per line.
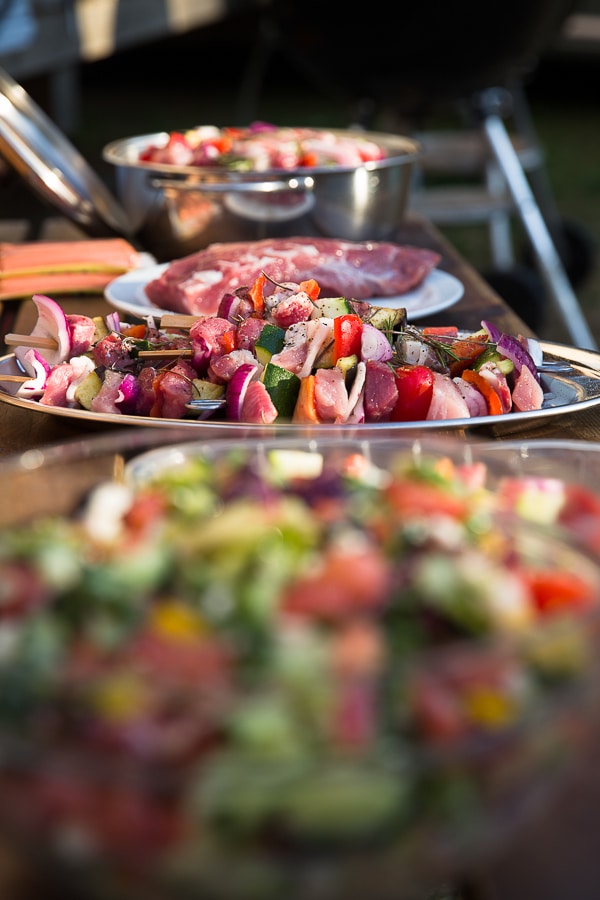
x=283, y=652
x=261, y=146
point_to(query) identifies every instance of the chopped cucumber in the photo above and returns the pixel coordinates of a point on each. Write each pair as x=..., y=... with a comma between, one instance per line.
x=505, y=365
x=331, y=307
x=288, y=464
x=270, y=341
x=283, y=387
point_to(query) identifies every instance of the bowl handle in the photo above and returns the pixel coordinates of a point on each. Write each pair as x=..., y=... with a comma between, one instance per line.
x=297, y=183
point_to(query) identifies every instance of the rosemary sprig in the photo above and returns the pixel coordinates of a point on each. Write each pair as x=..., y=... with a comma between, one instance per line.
x=442, y=345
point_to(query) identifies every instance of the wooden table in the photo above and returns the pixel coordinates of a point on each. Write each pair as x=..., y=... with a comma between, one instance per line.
x=535, y=870
x=21, y=430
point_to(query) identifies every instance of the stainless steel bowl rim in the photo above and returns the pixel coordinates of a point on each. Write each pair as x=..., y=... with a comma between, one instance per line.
x=401, y=150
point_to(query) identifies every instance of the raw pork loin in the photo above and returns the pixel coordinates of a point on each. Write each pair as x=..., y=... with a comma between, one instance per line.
x=196, y=283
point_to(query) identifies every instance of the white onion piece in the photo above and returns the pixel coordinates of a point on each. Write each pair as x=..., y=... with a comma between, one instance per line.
x=535, y=350
x=81, y=366
x=374, y=345
x=356, y=410
x=36, y=366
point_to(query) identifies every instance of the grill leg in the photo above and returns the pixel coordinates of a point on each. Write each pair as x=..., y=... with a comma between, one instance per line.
x=547, y=257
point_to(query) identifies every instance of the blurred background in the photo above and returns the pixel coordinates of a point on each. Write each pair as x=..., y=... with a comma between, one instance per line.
x=145, y=70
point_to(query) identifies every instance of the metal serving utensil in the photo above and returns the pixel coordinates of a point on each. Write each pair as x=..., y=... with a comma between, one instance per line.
x=203, y=409
x=556, y=367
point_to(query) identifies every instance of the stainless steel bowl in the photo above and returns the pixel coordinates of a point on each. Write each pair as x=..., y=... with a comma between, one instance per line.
x=175, y=210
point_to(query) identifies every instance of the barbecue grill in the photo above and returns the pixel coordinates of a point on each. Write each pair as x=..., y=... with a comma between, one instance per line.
x=472, y=56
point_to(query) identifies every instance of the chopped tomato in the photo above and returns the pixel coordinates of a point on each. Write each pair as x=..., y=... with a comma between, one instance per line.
x=581, y=514
x=356, y=465
x=555, y=591
x=176, y=137
x=309, y=159
x=409, y=498
x=347, y=334
x=415, y=390
x=222, y=144
x=493, y=401
x=580, y=501
x=146, y=510
x=346, y=582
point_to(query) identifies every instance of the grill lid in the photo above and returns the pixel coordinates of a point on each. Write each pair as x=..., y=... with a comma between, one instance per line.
x=52, y=166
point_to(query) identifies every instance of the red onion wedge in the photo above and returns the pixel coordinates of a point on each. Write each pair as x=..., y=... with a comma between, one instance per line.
x=35, y=365
x=512, y=348
x=51, y=323
x=236, y=390
x=129, y=392
x=515, y=349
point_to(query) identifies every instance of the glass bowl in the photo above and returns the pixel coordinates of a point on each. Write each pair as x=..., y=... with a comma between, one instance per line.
x=237, y=669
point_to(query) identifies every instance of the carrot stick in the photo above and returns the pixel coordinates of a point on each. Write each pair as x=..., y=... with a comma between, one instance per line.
x=53, y=283
x=100, y=254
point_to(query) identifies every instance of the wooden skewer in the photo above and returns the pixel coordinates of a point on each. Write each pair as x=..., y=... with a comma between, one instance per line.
x=30, y=340
x=176, y=320
x=161, y=353
x=20, y=378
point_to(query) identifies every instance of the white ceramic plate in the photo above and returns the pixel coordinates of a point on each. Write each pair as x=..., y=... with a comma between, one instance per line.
x=570, y=392
x=438, y=291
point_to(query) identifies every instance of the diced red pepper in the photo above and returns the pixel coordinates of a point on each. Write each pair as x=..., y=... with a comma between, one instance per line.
x=309, y=159
x=556, y=591
x=256, y=295
x=135, y=331
x=228, y=341
x=492, y=399
x=176, y=137
x=415, y=390
x=347, y=334
x=440, y=331
x=310, y=287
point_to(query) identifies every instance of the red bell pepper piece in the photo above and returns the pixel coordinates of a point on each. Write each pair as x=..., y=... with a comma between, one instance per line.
x=415, y=390
x=310, y=287
x=347, y=333
x=256, y=295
